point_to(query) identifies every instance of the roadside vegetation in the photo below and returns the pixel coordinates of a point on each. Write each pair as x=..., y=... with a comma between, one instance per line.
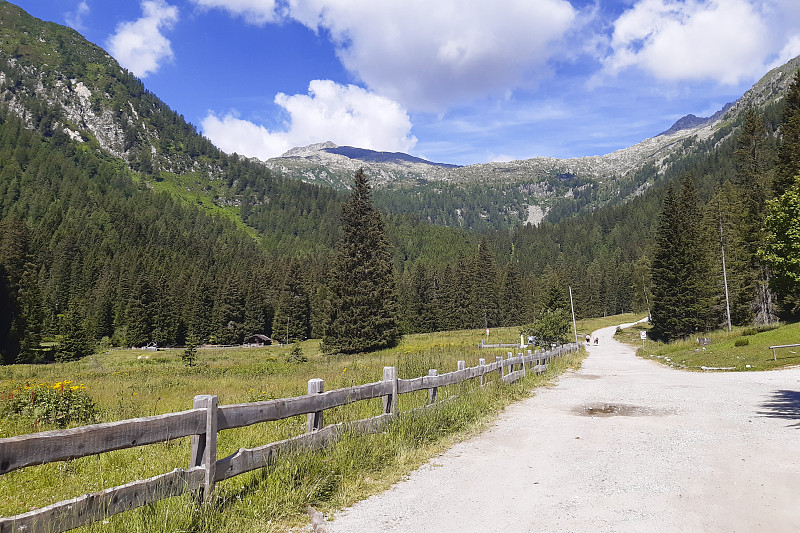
x=743, y=349
x=122, y=384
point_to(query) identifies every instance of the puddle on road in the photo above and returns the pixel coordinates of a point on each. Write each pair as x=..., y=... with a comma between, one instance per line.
x=610, y=409
x=586, y=376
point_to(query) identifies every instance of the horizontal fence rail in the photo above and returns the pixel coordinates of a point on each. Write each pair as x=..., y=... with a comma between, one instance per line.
x=205, y=420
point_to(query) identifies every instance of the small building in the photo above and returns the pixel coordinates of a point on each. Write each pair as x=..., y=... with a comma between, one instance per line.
x=257, y=340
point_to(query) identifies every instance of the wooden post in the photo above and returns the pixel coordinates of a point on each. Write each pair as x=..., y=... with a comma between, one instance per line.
x=482, y=363
x=390, y=401
x=314, y=420
x=462, y=365
x=499, y=360
x=433, y=392
x=204, y=445
x=522, y=358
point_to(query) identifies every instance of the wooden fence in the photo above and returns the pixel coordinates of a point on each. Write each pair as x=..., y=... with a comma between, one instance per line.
x=204, y=421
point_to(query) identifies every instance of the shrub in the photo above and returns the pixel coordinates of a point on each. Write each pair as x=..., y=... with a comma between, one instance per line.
x=749, y=331
x=741, y=342
x=60, y=404
x=296, y=355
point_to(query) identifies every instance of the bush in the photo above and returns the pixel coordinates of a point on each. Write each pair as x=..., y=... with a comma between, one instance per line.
x=551, y=327
x=749, y=331
x=741, y=342
x=296, y=355
x=60, y=404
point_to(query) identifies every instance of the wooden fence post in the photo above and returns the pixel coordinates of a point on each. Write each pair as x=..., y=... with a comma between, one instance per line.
x=510, y=368
x=482, y=363
x=204, y=445
x=462, y=365
x=314, y=420
x=499, y=360
x=390, y=401
x=522, y=358
x=433, y=392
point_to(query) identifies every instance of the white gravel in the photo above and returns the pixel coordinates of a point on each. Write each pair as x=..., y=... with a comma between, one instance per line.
x=683, y=452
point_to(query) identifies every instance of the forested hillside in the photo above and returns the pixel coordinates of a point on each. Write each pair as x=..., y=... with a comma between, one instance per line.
x=121, y=225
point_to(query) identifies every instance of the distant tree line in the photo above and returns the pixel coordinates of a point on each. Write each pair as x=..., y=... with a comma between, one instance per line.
x=90, y=251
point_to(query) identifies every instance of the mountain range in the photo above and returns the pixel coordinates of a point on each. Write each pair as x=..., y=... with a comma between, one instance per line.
x=118, y=218
x=539, y=183
x=92, y=100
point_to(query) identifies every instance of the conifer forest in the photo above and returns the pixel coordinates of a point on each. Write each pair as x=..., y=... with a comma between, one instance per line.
x=169, y=240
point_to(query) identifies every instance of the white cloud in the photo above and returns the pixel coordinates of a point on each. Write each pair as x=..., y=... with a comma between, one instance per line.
x=432, y=55
x=725, y=41
x=74, y=19
x=254, y=11
x=344, y=114
x=140, y=46
x=429, y=55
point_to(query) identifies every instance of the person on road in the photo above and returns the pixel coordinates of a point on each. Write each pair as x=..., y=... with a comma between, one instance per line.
x=588, y=339
x=596, y=341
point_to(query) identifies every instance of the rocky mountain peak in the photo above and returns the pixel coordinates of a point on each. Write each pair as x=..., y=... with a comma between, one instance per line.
x=311, y=149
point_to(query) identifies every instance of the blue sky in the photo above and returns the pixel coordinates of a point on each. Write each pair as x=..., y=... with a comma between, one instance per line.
x=455, y=81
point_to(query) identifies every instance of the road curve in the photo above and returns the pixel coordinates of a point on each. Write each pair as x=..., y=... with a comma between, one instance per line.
x=623, y=444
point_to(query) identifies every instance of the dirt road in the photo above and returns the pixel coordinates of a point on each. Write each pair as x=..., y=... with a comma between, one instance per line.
x=624, y=444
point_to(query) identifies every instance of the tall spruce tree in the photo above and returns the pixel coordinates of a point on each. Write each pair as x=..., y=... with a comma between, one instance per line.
x=751, y=162
x=484, y=289
x=665, y=274
x=364, y=310
x=789, y=149
x=291, y=322
x=683, y=298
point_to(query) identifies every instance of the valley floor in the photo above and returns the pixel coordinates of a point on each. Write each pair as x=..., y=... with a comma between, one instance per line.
x=624, y=444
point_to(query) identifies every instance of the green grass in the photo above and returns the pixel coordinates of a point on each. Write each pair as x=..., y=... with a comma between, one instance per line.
x=723, y=351
x=131, y=383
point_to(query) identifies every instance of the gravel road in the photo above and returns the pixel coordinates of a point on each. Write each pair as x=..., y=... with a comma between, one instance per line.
x=624, y=444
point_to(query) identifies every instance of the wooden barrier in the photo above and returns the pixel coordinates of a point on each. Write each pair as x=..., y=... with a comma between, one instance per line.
x=204, y=421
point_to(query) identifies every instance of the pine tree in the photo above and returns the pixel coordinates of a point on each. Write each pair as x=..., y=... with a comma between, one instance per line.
x=291, y=322
x=665, y=275
x=364, y=309
x=751, y=161
x=789, y=149
x=75, y=343
x=511, y=297
x=484, y=290
x=681, y=272
x=422, y=300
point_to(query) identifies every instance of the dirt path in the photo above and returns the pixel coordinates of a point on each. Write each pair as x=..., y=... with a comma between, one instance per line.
x=681, y=451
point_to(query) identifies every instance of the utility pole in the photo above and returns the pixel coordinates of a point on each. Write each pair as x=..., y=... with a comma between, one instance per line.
x=724, y=270
x=574, y=326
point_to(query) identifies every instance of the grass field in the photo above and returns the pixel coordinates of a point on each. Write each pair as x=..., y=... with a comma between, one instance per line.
x=742, y=349
x=131, y=383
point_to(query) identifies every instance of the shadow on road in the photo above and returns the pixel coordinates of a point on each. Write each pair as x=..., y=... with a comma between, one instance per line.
x=783, y=404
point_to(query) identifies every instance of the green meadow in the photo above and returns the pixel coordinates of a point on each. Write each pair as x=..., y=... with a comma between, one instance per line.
x=121, y=384
x=742, y=349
